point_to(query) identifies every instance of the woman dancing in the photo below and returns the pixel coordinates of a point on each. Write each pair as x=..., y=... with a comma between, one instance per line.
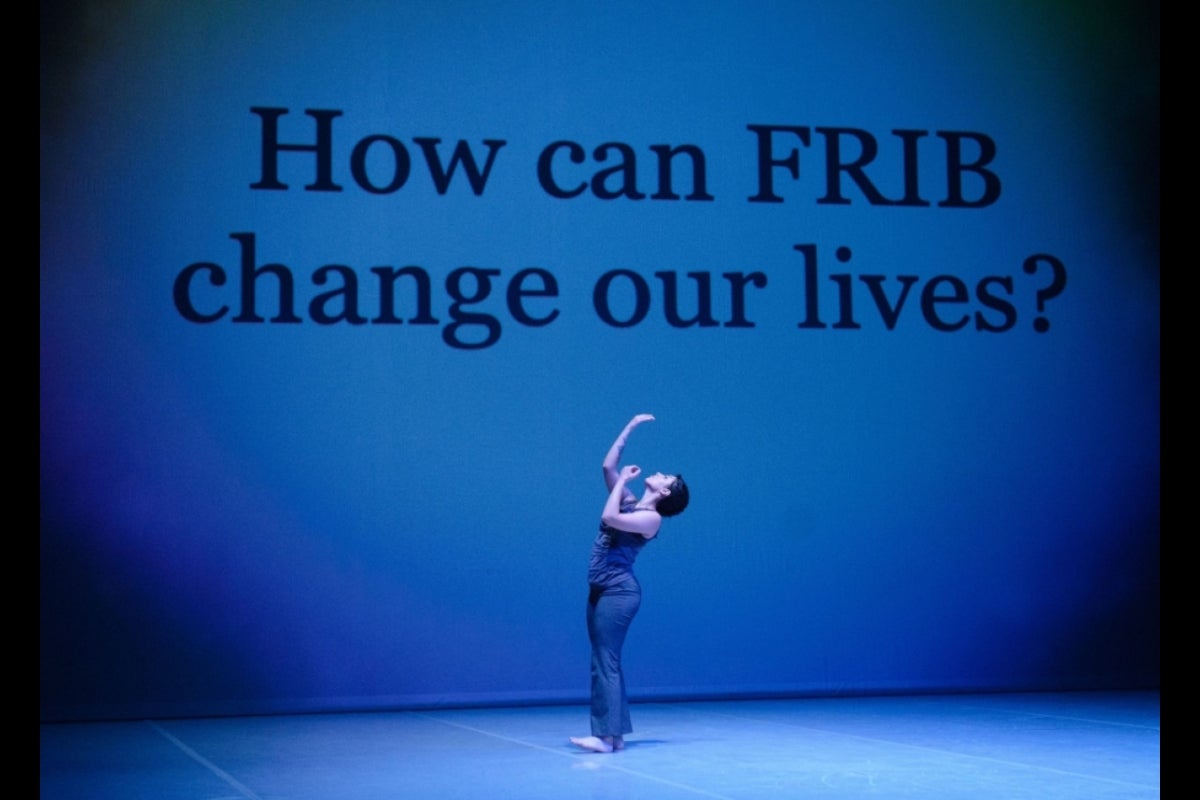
x=627, y=523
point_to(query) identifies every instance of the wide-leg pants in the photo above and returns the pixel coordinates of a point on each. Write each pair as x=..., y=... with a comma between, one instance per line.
x=609, y=613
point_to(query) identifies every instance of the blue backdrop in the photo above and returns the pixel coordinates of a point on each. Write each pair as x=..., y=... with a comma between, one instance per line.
x=886, y=273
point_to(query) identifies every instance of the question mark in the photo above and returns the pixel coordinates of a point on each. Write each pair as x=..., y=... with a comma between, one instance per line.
x=1041, y=324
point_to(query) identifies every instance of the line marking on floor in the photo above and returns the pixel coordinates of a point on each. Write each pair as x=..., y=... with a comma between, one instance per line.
x=244, y=790
x=926, y=748
x=605, y=765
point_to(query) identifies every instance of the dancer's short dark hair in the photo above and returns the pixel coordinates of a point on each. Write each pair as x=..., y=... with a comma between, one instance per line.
x=676, y=501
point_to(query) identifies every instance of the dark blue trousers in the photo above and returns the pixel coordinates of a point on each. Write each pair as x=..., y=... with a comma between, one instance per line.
x=609, y=614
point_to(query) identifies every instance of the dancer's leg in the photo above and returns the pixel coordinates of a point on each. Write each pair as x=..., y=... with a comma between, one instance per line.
x=610, y=614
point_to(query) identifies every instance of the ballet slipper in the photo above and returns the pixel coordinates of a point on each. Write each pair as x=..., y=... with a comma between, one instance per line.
x=593, y=743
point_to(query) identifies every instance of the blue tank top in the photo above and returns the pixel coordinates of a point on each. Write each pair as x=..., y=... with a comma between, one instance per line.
x=613, y=554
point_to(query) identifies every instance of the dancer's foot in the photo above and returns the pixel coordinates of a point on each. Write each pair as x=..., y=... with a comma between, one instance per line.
x=618, y=743
x=593, y=743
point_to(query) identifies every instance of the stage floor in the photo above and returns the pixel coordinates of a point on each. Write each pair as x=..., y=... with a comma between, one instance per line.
x=1083, y=746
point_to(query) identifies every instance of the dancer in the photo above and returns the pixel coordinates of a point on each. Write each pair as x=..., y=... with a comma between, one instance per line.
x=626, y=524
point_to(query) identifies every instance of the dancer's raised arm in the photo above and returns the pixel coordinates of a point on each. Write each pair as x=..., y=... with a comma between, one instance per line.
x=612, y=460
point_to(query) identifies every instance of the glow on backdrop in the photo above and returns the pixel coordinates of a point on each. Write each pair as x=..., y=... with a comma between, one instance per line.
x=244, y=517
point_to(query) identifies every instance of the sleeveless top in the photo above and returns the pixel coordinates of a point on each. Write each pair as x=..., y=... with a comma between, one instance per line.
x=613, y=554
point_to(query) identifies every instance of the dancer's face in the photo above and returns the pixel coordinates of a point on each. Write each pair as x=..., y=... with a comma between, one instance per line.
x=658, y=482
